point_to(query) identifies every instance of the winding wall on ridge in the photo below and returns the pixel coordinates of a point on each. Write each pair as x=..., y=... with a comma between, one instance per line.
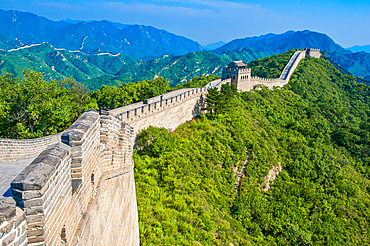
x=80, y=190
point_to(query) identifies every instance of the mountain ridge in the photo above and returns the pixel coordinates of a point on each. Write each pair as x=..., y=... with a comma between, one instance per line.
x=141, y=41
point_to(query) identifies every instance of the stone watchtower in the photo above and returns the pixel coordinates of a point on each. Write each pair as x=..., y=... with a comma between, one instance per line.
x=313, y=52
x=238, y=72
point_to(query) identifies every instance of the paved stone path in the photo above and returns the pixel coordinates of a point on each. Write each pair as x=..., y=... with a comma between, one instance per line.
x=8, y=171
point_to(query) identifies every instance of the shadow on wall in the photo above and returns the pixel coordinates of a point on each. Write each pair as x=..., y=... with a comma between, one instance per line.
x=198, y=106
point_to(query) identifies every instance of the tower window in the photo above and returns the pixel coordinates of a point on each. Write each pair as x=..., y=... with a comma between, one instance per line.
x=63, y=236
x=92, y=178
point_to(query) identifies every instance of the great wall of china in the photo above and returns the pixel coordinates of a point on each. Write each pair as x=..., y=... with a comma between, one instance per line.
x=77, y=187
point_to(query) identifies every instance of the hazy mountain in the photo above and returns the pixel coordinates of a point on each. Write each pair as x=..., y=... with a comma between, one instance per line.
x=145, y=42
x=357, y=64
x=213, y=46
x=28, y=28
x=358, y=48
x=279, y=43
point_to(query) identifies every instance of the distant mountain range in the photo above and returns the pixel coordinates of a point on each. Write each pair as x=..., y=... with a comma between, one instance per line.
x=359, y=48
x=213, y=46
x=357, y=64
x=279, y=43
x=144, y=42
x=104, y=52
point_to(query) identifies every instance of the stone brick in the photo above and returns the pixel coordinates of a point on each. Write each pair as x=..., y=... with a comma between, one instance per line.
x=33, y=177
x=34, y=233
x=8, y=239
x=47, y=159
x=39, y=239
x=72, y=135
x=7, y=207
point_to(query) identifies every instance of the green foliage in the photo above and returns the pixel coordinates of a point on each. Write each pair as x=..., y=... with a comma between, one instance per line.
x=113, y=97
x=197, y=82
x=220, y=101
x=179, y=69
x=31, y=107
x=270, y=67
x=317, y=127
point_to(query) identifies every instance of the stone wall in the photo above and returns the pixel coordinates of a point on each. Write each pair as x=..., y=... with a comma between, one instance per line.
x=83, y=183
x=13, y=227
x=17, y=149
x=169, y=110
x=288, y=70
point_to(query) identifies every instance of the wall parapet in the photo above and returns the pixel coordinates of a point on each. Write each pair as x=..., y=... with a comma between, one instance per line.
x=158, y=104
x=57, y=190
x=17, y=149
x=41, y=188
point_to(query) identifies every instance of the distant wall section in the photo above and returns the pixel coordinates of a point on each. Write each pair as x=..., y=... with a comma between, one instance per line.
x=17, y=149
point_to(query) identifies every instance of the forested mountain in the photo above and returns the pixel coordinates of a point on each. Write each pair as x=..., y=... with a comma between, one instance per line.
x=178, y=69
x=315, y=128
x=60, y=63
x=166, y=54
x=6, y=43
x=141, y=41
x=356, y=63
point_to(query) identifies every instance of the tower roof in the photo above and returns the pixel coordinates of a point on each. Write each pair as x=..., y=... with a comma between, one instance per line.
x=237, y=64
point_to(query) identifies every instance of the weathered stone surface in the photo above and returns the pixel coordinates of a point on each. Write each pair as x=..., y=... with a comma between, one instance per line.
x=33, y=177
x=38, y=239
x=21, y=195
x=59, y=150
x=8, y=239
x=2, y=218
x=19, y=149
x=47, y=159
x=73, y=135
x=79, y=126
x=7, y=207
x=75, y=184
x=91, y=115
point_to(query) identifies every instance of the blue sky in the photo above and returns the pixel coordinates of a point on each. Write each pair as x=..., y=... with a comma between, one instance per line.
x=208, y=21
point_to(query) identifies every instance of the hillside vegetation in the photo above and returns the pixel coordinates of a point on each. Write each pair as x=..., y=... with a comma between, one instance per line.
x=56, y=64
x=178, y=69
x=316, y=128
x=31, y=107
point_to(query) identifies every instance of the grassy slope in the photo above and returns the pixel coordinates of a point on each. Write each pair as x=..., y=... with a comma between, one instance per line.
x=317, y=127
